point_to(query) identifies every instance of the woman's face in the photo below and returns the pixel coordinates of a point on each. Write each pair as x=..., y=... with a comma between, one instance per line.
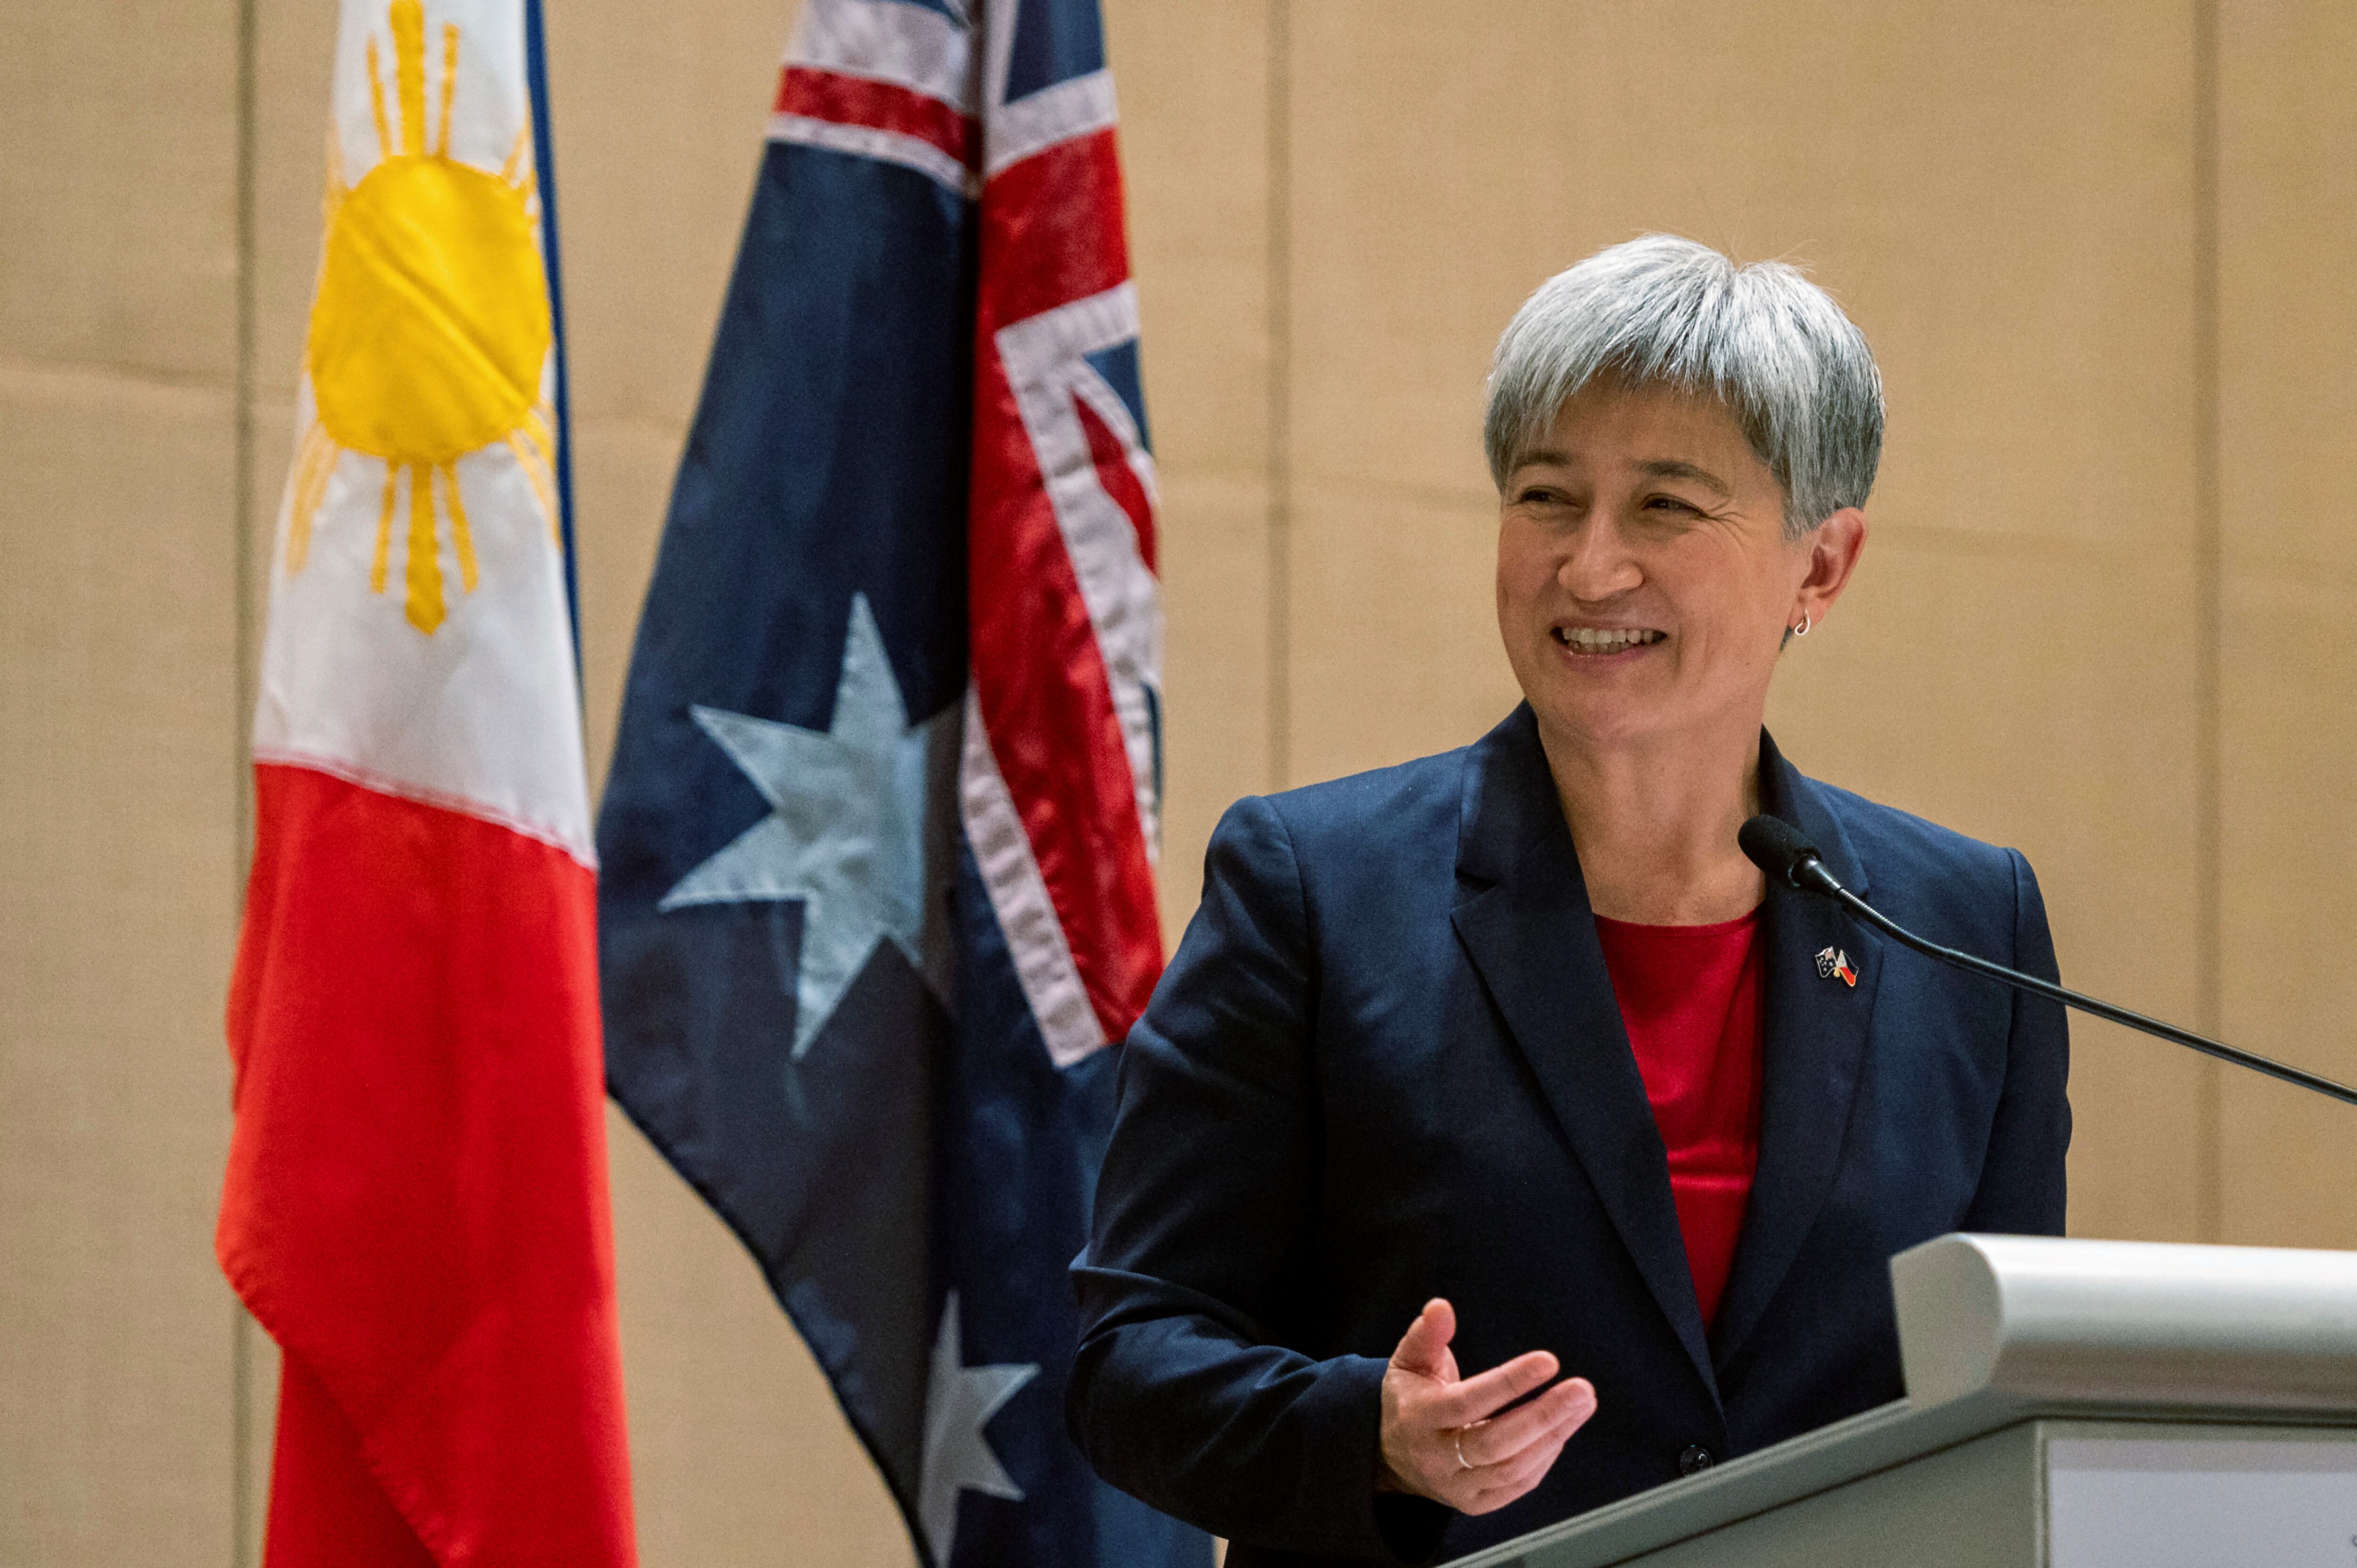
x=1644, y=580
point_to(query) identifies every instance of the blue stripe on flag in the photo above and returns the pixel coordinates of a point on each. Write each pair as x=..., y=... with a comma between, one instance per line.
x=1054, y=42
x=1118, y=366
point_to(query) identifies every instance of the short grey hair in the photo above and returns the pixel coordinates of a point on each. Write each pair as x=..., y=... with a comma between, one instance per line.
x=1772, y=346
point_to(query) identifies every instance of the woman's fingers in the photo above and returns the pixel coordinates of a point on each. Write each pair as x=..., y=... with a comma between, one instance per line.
x=1497, y=1485
x=1511, y=1454
x=1502, y=1483
x=1423, y=1348
x=1554, y=1415
x=1477, y=1397
x=1519, y=1474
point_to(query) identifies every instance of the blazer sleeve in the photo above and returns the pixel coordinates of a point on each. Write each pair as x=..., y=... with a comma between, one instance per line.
x=2022, y=1188
x=1202, y=1244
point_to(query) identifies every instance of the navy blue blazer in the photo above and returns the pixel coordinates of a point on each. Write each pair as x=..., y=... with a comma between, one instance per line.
x=1386, y=1065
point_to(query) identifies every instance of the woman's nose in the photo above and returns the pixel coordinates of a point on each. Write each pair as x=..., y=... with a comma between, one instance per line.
x=1600, y=562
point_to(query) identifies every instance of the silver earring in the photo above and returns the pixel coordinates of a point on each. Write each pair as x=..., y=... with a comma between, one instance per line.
x=1803, y=630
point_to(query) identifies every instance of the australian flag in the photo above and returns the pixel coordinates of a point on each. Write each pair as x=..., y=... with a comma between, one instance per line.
x=878, y=841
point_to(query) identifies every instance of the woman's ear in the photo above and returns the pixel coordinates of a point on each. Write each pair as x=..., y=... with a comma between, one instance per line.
x=1834, y=547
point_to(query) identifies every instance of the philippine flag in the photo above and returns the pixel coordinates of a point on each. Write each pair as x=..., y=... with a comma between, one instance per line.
x=415, y=1206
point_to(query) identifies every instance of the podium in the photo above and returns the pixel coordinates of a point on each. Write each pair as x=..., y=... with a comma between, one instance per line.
x=2069, y=1405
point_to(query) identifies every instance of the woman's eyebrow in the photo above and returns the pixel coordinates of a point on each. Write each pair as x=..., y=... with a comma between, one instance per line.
x=1678, y=468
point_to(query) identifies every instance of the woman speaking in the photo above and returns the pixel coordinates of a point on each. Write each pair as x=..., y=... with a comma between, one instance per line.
x=1498, y=1143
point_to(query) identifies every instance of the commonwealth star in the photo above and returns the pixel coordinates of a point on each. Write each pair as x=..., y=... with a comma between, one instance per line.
x=860, y=830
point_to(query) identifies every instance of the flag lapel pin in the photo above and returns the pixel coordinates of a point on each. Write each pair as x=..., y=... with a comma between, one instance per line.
x=1834, y=963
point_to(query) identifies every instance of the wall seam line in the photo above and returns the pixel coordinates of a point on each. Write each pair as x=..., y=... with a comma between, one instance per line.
x=2209, y=555
x=242, y=1328
x=1280, y=393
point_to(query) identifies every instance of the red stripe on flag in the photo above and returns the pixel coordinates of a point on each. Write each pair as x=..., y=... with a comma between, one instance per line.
x=1051, y=230
x=1048, y=709
x=1119, y=479
x=416, y=1205
x=1051, y=233
x=879, y=105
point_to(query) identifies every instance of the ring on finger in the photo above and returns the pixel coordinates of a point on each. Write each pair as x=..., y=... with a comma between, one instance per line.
x=1462, y=1462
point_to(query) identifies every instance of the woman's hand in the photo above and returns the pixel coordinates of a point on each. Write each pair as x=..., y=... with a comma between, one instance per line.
x=1441, y=1438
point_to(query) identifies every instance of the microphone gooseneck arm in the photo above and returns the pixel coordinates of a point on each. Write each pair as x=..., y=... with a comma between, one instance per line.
x=1780, y=851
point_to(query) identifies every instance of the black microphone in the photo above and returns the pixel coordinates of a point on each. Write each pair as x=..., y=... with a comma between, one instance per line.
x=1776, y=847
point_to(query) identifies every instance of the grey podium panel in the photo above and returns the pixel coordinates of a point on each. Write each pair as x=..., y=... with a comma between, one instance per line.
x=2071, y=1405
x=2070, y=1495
x=1972, y=1506
x=2041, y=1493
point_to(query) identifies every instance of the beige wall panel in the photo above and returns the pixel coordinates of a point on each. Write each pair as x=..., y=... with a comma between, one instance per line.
x=1193, y=82
x=1193, y=85
x=739, y=1451
x=2288, y=417
x=2003, y=197
x=117, y=619
x=2291, y=977
x=1215, y=669
x=2287, y=243
x=1933, y=688
x=118, y=240
x=621, y=486
x=294, y=57
x=660, y=114
x=1393, y=630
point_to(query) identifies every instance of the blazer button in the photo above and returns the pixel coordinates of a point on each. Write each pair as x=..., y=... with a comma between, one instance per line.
x=1693, y=1459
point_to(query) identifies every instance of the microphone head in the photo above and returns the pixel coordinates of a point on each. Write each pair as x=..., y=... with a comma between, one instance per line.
x=1776, y=847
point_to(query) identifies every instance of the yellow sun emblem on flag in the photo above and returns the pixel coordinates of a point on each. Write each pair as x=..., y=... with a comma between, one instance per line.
x=430, y=333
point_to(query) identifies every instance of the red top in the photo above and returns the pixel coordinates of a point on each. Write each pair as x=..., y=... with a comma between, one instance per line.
x=1690, y=998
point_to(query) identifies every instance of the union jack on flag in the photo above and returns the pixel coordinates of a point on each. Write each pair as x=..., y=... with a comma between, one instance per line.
x=879, y=836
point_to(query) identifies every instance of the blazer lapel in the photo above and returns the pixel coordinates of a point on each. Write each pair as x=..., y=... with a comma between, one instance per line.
x=1523, y=916
x=1815, y=1041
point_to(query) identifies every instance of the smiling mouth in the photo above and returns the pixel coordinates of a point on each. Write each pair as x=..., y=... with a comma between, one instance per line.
x=1591, y=642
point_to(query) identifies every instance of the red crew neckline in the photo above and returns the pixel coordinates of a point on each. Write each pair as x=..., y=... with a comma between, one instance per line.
x=1716, y=928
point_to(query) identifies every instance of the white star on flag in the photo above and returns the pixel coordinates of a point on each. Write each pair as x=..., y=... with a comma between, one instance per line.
x=859, y=829
x=958, y=1402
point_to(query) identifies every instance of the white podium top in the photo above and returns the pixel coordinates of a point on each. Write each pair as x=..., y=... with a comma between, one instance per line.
x=2233, y=1328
